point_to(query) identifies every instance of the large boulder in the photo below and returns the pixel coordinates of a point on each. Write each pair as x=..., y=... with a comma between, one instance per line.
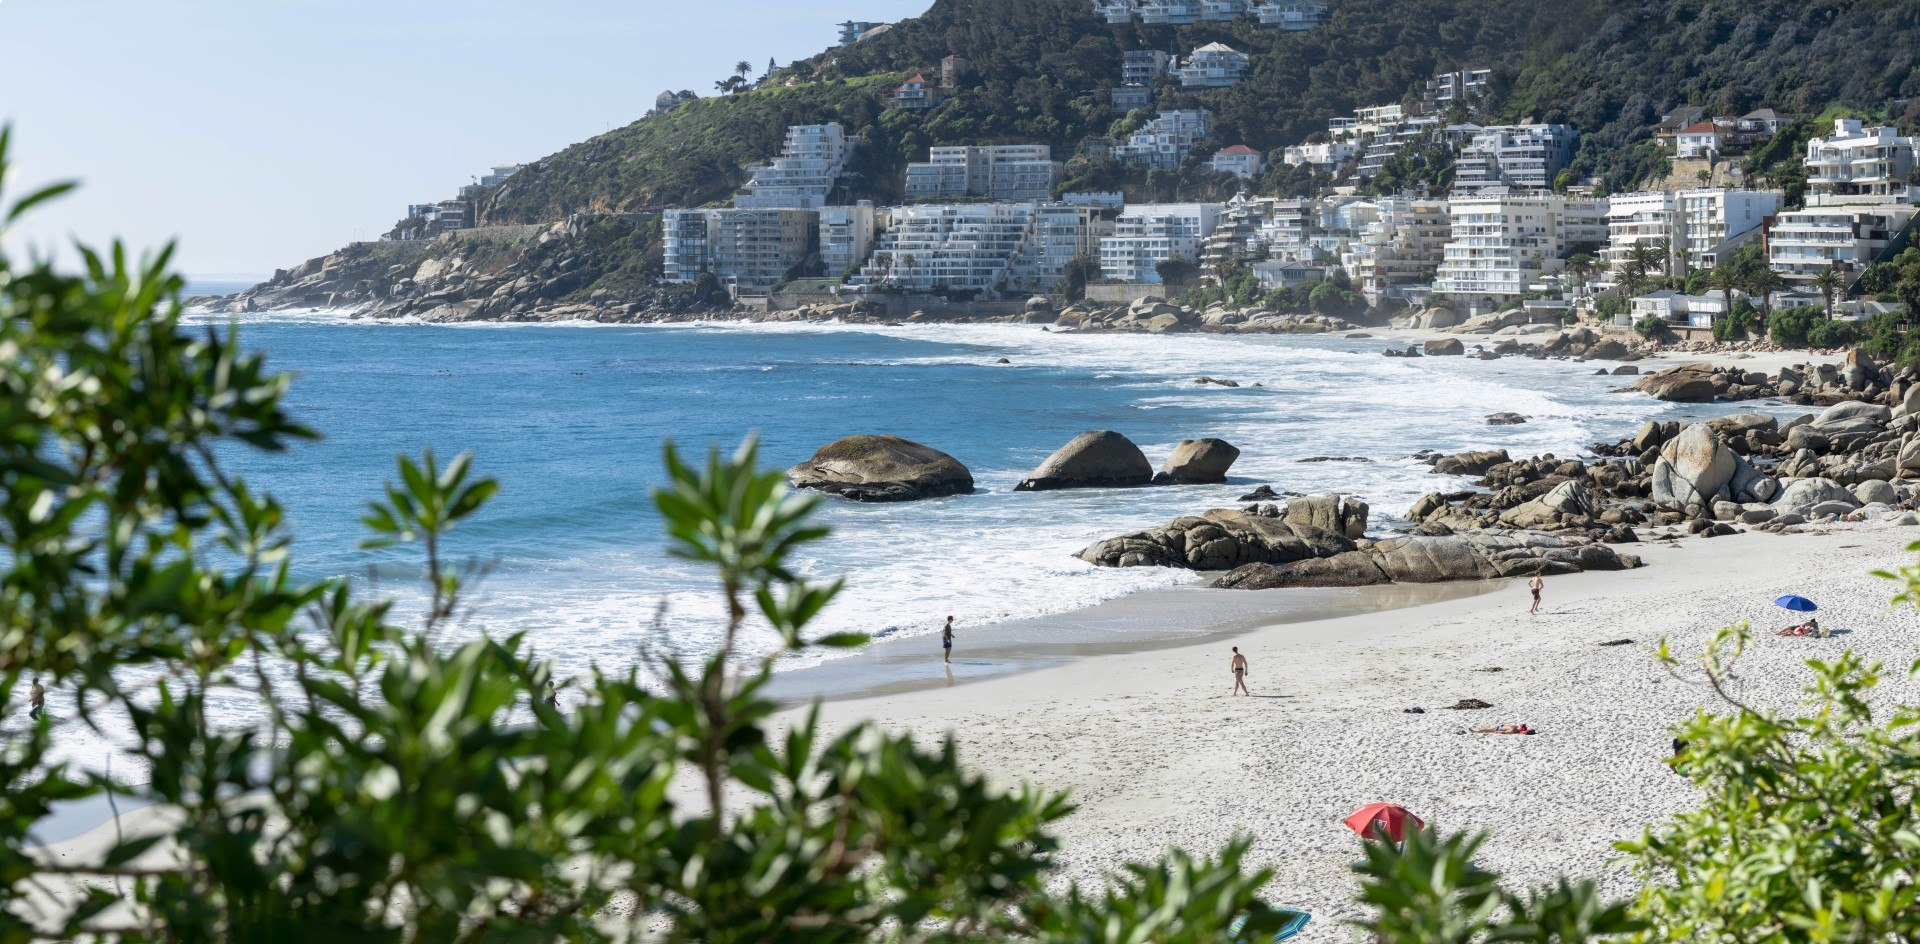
x=1851, y=424
x=1694, y=470
x=1471, y=463
x=1094, y=459
x=1490, y=323
x=1876, y=490
x=882, y=469
x=1332, y=513
x=1221, y=539
x=1909, y=458
x=1808, y=492
x=1570, y=504
x=1688, y=383
x=1445, y=347
x=1198, y=462
x=1750, y=483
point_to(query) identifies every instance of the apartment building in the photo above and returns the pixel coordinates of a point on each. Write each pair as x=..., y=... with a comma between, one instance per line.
x=1500, y=242
x=803, y=175
x=847, y=234
x=1399, y=248
x=748, y=249
x=1514, y=156
x=1857, y=164
x=980, y=247
x=1018, y=173
x=1291, y=14
x=1143, y=66
x=1146, y=235
x=1215, y=65
x=1167, y=139
x=1448, y=89
x=1803, y=243
x=1129, y=98
x=1391, y=138
x=1699, y=228
x=917, y=94
x=852, y=31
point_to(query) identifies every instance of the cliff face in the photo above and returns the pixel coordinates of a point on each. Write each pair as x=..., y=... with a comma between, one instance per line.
x=587, y=266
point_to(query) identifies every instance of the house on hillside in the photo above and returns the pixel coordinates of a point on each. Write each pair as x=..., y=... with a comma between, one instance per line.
x=1215, y=65
x=952, y=70
x=1686, y=116
x=1291, y=14
x=1699, y=140
x=917, y=94
x=1240, y=161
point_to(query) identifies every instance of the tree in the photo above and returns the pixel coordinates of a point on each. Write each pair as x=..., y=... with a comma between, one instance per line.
x=1830, y=282
x=1175, y=271
x=1724, y=279
x=1762, y=284
x=1580, y=268
x=743, y=68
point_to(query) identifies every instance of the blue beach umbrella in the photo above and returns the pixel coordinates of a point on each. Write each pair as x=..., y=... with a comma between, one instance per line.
x=1796, y=604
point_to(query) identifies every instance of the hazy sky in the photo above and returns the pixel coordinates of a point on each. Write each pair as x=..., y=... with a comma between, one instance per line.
x=263, y=132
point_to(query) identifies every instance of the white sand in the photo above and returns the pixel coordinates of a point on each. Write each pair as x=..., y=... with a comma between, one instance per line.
x=1156, y=753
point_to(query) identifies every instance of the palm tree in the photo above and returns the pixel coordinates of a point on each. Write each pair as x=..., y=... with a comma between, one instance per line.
x=1761, y=284
x=1580, y=268
x=1642, y=258
x=1724, y=280
x=1662, y=253
x=1830, y=282
x=743, y=68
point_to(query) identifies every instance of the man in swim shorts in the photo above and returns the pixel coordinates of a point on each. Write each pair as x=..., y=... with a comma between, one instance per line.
x=946, y=642
x=1536, y=584
x=1239, y=666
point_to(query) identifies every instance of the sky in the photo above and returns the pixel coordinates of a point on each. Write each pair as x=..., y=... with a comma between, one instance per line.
x=260, y=133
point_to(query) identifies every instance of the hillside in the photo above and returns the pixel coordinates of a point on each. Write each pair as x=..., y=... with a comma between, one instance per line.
x=1043, y=70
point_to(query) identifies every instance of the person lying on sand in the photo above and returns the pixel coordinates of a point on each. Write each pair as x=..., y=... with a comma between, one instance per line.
x=1809, y=628
x=1504, y=729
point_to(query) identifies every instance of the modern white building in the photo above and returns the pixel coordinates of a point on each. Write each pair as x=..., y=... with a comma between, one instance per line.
x=1215, y=65
x=846, y=236
x=1017, y=173
x=1143, y=66
x=1448, y=89
x=1167, y=139
x=980, y=247
x=1400, y=248
x=1500, y=242
x=747, y=249
x=1803, y=243
x=1240, y=161
x=1130, y=98
x=1675, y=308
x=803, y=175
x=1291, y=14
x=1514, y=156
x=1714, y=223
x=1857, y=164
x=499, y=174
x=1329, y=157
x=1390, y=138
x=1146, y=235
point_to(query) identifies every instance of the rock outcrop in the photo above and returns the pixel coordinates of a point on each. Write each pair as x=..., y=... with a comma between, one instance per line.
x=1094, y=459
x=1198, y=462
x=1470, y=463
x=1473, y=555
x=1689, y=383
x=882, y=469
x=1221, y=539
x=1336, y=514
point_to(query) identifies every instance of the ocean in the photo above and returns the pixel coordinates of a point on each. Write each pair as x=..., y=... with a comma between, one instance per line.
x=572, y=418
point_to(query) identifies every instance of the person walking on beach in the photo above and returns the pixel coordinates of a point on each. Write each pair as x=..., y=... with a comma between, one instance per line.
x=1536, y=585
x=36, y=700
x=946, y=642
x=553, y=696
x=1239, y=666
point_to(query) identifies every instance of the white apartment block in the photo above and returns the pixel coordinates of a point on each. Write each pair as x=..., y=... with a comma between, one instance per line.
x=1514, y=156
x=748, y=249
x=1017, y=173
x=846, y=236
x=1165, y=140
x=1329, y=157
x=1701, y=227
x=1859, y=165
x=1401, y=246
x=1143, y=66
x=803, y=175
x=982, y=247
x=1146, y=235
x=1215, y=65
x=1501, y=241
x=1391, y=138
x=1448, y=89
x=1803, y=243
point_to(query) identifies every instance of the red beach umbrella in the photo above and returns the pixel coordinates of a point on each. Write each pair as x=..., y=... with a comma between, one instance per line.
x=1383, y=819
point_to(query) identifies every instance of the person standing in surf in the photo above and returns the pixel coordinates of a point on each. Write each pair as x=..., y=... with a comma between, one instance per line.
x=946, y=642
x=1239, y=666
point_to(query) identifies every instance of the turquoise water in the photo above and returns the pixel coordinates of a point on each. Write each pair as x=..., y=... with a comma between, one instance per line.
x=571, y=419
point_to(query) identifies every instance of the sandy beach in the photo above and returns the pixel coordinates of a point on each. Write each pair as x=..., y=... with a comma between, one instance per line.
x=1156, y=752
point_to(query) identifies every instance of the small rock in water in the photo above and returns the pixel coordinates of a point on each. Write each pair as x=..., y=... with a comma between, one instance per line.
x=1263, y=493
x=1505, y=419
x=1003, y=361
